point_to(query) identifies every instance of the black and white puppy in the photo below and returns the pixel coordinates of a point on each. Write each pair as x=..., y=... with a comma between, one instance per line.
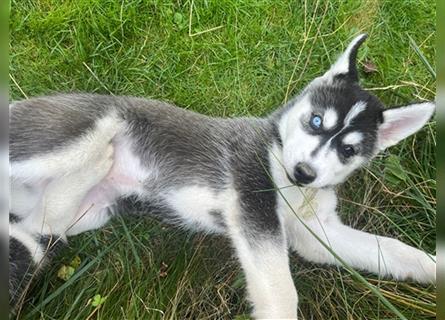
x=218, y=175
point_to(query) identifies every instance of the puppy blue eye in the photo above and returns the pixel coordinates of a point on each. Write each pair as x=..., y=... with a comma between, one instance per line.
x=316, y=121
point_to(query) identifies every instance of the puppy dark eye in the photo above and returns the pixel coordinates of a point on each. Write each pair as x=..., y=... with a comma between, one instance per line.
x=315, y=121
x=348, y=151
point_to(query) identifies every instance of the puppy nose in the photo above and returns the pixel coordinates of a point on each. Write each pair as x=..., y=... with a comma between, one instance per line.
x=303, y=173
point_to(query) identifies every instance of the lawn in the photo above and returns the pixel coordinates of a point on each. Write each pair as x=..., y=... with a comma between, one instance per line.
x=230, y=58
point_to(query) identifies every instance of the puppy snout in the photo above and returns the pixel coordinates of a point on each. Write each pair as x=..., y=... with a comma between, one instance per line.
x=304, y=174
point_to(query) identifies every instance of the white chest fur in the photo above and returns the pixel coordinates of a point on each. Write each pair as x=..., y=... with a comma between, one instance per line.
x=297, y=204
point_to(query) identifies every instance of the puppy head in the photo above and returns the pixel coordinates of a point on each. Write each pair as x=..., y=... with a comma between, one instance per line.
x=334, y=126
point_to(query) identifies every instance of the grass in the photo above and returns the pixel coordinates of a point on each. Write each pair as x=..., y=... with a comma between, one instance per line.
x=230, y=58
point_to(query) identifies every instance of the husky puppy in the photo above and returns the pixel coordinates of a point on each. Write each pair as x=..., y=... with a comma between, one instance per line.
x=228, y=176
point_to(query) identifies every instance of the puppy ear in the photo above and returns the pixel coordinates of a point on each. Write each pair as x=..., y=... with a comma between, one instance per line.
x=346, y=65
x=399, y=123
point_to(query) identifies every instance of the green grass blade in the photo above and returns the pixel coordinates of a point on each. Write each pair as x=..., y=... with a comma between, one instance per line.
x=422, y=56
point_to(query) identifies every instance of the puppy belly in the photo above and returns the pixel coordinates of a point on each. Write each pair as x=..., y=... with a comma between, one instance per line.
x=94, y=211
x=125, y=178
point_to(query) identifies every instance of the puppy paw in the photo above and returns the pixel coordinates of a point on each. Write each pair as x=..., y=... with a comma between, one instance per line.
x=428, y=266
x=418, y=266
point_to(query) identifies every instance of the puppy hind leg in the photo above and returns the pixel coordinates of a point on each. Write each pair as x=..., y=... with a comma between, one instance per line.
x=29, y=179
x=37, y=237
x=63, y=197
x=82, y=152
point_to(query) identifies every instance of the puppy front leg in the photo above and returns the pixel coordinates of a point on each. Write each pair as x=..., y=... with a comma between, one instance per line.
x=361, y=250
x=265, y=262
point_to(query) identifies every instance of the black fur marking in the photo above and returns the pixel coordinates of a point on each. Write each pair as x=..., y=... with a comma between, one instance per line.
x=21, y=268
x=133, y=205
x=218, y=218
x=323, y=139
x=276, y=134
x=156, y=208
x=51, y=245
x=342, y=97
x=352, y=75
x=13, y=218
x=257, y=196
